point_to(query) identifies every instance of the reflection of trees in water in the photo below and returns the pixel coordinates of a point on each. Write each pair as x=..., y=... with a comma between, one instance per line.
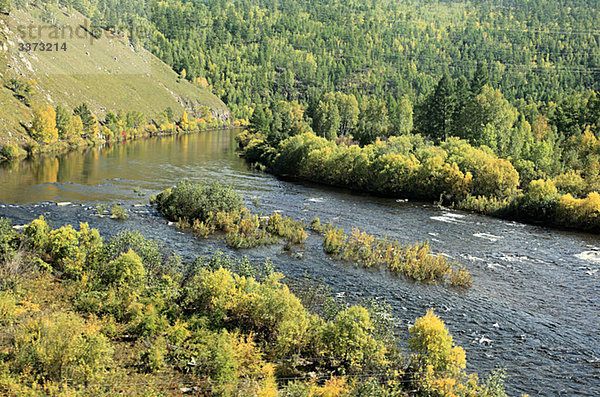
x=46, y=169
x=89, y=167
x=184, y=145
x=141, y=160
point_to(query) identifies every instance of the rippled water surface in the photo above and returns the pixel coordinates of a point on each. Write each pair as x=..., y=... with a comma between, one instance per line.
x=535, y=303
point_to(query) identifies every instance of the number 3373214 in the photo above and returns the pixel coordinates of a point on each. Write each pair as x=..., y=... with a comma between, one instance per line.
x=49, y=47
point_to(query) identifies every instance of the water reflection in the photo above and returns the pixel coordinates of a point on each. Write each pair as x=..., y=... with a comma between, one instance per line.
x=148, y=163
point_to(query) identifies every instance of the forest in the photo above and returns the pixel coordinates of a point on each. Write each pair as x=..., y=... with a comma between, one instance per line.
x=466, y=146
x=253, y=52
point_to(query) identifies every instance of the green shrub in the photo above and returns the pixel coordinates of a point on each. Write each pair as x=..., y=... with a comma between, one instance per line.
x=65, y=251
x=37, y=235
x=242, y=267
x=125, y=271
x=539, y=201
x=8, y=307
x=102, y=209
x=153, y=358
x=61, y=346
x=571, y=183
x=155, y=257
x=316, y=226
x=333, y=240
x=11, y=151
x=118, y=212
x=268, y=309
x=190, y=201
x=234, y=365
x=145, y=319
x=436, y=359
x=9, y=240
x=460, y=278
x=415, y=262
x=349, y=341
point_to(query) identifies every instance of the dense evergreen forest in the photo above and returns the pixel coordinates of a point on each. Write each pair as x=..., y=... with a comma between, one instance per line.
x=255, y=51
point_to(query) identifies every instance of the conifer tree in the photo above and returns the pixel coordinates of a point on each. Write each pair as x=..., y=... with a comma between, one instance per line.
x=63, y=120
x=438, y=110
x=481, y=78
x=87, y=118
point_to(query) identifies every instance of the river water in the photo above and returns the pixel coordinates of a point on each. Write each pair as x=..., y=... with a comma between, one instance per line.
x=534, y=307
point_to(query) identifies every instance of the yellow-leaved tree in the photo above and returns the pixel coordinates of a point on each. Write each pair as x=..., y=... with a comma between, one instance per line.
x=184, y=123
x=438, y=363
x=75, y=129
x=44, y=128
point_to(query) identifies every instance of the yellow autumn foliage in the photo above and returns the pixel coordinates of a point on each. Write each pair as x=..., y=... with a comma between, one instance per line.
x=43, y=128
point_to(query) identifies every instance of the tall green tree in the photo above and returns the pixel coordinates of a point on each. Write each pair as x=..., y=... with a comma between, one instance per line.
x=348, y=110
x=481, y=78
x=373, y=121
x=438, y=110
x=327, y=120
x=462, y=95
x=401, y=115
x=259, y=121
x=87, y=118
x=488, y=119
x=63, y=122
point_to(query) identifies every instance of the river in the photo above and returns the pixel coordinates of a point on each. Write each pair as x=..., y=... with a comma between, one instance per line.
x=534, y=307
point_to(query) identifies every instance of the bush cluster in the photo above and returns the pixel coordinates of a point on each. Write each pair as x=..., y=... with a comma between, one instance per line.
x=207, y=209
x=406, y=166
x=415, y=262
x=121, y=309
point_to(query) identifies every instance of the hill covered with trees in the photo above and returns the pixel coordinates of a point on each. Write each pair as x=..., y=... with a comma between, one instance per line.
x=255, y=51
x=104, y=72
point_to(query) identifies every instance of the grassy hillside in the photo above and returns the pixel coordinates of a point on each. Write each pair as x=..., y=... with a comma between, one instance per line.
x=107, y=73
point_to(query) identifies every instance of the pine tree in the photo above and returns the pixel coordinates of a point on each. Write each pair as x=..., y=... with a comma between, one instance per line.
x=259, y=121
x=170, y=115
x=481, y=78
x=439, y=110
x=87, y=118
x=111, y=121
x=462, y=95
x=63, y=120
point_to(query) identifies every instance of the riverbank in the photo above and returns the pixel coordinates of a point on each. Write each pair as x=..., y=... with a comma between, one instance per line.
x=454, y=173
x=12, y=152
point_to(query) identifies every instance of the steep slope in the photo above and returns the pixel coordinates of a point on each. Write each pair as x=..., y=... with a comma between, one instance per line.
x=106, y=72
